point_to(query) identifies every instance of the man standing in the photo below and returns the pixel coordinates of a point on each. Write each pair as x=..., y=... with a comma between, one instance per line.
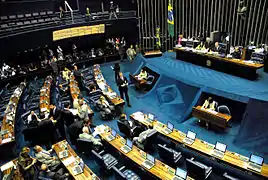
x=131, y=53
x=122, y=84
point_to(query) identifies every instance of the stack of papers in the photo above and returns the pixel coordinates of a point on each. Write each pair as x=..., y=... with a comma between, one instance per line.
x=139, y=116
x=7, y=166
x=102, y=85
x=68, y=161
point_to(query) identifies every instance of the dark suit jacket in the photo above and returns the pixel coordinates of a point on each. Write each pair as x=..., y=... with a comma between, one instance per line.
x=120, y=82
x=57, y=115
x=75, y=129
x=68, y=117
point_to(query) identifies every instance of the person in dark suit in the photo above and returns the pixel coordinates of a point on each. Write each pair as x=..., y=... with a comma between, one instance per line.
x=76, y=128
x=123, y=118
x=46, y=173
x=116, y=69
x=56, y=114
x=216, y=47
x=122, y=84
x=67, y=115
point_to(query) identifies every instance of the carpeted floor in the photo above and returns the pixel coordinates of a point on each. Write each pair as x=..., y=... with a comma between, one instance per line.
x=186, y=81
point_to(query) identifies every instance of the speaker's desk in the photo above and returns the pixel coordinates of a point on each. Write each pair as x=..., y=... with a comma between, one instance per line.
x=160, y=170
x=231, y=158
x=211, y=117
x=237, y=67
x=87, y=173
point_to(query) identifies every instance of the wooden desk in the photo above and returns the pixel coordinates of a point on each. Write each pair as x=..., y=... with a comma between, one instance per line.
x=231, y=158
x=115, y=99
x=160, y=170
x=10, y=117
x=87, y=174
x=214, y=118
x=45, y=94
x=154, y=53
x=228, y=65
x=75, y=91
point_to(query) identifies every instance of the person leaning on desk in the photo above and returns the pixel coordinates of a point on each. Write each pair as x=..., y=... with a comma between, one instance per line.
x=209, y=104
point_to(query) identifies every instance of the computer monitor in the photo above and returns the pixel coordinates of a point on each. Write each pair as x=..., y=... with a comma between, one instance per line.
x=256, y=159
x=170, y=126
x=221, y=147
x=129, y=143
x=181, y=173
x=191, y=135
x=151, y=116
x=113, y=132
x=150, y=158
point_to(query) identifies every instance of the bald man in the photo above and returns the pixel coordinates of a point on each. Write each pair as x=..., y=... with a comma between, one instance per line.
x=46, y=157
x=46, y=173
x=86, y=135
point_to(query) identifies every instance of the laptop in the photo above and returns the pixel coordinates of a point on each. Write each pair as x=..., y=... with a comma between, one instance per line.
x=111, y=136
x=255, y=163
x=77, y=170
x=63, y=154
x=150, y=118
x=190, y=138
x=149, y=162
x=127, y=147
x=169, y=128
x=180, y=174
x=219, y=150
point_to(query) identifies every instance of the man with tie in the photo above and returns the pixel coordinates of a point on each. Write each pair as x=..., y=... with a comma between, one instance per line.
x=216, y=47
x=56, y=114
x=122, y=84
x=46, y=157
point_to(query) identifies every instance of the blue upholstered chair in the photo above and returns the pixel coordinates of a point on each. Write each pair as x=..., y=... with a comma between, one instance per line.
x=224, y=110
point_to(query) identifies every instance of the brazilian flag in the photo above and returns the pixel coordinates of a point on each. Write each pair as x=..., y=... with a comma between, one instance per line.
x=170, y=20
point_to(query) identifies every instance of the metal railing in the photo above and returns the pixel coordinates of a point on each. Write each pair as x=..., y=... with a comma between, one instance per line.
x=66, y=4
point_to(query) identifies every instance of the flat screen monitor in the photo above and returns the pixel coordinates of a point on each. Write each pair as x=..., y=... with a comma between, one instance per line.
x=150, y=158
x=256, y=159
x=181, y=173
x=113, y=132
x=221, y=147
x=151, y=116
x=129, y=143
x=191, y=135
x=170, y=126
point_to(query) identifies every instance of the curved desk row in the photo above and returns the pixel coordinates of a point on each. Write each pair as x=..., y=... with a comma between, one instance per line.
x=7, y=129
x=45, y=94
x=159, y=170
x=203, y=147
x=105, y=88
x=75, y=91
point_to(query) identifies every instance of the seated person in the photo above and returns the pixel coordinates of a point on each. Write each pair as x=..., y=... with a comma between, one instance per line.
x=75, y=102
x=26, y=164
x=142, y=136
x=201, y=46
x=46, y=173
x=105, y=106
x=236, y=54
x=216, y=47
x=209, y=104
x=46, y=157
x=32, y=119
x=88, y=136
x=82, y=110
x=66, y=74
x=143, y=75
x=92, y=87
x=123, y=118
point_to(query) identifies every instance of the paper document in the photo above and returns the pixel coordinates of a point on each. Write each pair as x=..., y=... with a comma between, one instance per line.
x=6, y=140
x=139, y=116
x=7, y=166
x=102, y=85
x=74, y=111
x=68, y=161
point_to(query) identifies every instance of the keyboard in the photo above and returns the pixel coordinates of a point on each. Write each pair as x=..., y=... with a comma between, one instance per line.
x=148, y=164
x=188, y=141
x=254, y=167
x=167, y=131
x=125, y=149
x=217, y=153
x=176, y=178
x=77, y=170
x=110, y=138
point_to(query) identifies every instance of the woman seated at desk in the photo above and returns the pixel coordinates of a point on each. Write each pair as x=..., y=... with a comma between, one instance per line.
x=143, y=75
x=210, y=104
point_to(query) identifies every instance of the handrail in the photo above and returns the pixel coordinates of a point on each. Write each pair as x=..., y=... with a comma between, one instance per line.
x=69, y=7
